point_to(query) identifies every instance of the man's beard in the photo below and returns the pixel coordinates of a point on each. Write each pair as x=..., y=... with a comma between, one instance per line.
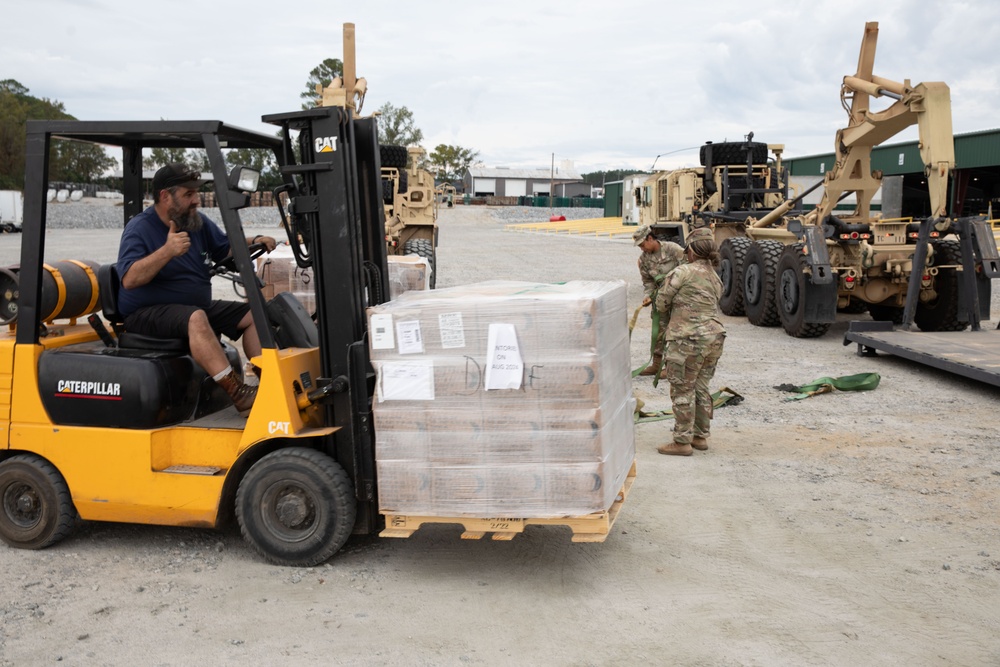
x=185, y=220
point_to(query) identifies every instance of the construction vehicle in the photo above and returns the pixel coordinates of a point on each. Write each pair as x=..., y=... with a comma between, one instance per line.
x=782, y=267
x=111, y=426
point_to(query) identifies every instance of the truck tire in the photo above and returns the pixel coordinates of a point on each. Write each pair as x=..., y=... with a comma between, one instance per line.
x=941, y=314
x=424, y=248
x=387, y=194
x=855, y=306
x=735, y=152
x=402, y=183
x=759, y=283
x=792, y=292
x=884, y=313
x=393, y=157
x=37, y=510
x=296, y=507
x=732, y=253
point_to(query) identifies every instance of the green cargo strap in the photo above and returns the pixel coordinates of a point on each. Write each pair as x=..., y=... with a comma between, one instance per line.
x=724, y=396
x=653, y=335
x=859, y=382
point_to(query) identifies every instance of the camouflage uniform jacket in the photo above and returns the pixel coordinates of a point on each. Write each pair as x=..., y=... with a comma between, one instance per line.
x=653, y=264
x=691, y=297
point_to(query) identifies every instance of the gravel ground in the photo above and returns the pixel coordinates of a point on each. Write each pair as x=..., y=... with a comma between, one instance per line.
x=846, y=529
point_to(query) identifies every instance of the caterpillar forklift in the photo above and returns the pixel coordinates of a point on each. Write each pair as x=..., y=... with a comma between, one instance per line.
x=100, y=424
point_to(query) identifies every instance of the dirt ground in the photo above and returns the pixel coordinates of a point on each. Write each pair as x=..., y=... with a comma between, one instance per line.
x=845, y=529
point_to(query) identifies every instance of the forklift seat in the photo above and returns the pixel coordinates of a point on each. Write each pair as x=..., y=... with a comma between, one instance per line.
x=109, y=284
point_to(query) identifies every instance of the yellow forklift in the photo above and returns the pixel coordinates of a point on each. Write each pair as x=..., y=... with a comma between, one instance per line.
x=101, y=424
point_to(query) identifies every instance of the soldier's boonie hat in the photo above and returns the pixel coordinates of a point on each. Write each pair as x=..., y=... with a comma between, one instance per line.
x=700, y=234
x=640, y=234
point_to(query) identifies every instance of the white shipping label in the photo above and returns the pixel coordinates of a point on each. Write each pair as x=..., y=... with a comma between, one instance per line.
x=452, y=332
x=410, y=339
x=406, y=381
x=504, y=368
x=380, y=330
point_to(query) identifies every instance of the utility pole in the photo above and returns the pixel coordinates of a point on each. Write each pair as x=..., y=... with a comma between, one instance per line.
x=552, y=187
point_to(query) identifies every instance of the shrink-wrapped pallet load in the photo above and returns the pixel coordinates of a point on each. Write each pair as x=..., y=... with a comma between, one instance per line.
x=503, y=399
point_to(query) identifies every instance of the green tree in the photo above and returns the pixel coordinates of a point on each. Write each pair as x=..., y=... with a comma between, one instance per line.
x=322, y=74
x=16, y=107
x=78, y=162
x=396, y=127
x=451, y=162
x=159, y=157
x=599, y=178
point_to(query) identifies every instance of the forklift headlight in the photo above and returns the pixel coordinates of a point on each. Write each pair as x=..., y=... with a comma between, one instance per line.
x=244, y=179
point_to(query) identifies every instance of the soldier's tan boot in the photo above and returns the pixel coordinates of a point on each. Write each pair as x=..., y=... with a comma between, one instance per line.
x=700, y=443
x=653, y=365
x=675, y=449
x=243, y=395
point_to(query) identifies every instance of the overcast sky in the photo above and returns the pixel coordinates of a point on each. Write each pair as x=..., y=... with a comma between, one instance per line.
x=607, y=84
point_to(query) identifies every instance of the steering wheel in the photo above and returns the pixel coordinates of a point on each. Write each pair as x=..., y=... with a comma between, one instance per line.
x=228, y=263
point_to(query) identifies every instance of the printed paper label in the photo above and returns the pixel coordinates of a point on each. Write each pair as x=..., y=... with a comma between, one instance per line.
x=504, y=368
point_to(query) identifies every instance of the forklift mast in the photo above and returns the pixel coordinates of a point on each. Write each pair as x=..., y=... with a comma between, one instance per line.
x=335, y=225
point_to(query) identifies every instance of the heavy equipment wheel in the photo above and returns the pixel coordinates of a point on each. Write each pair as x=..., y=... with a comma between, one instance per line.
x=759, y=283
x=732, y=253
x=424, y=248
x=403, y=185
x=941, y=314
x=735, y=152
x=392, y=157
x=37, y=509
x=883, y=313
x=296, y=507
x=791, y=294
x=854, y=307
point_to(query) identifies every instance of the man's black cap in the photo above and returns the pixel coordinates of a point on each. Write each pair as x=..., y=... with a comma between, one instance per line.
x=176, y=174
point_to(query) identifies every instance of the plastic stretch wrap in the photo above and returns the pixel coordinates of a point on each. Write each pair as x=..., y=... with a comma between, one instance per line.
x=503, y=399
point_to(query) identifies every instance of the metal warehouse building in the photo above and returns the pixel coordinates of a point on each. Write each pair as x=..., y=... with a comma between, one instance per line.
x=507, y=182
x=974, y=185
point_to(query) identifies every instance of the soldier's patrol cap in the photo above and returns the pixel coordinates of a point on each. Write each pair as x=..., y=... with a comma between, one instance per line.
x=640, y=234
x=700, y=234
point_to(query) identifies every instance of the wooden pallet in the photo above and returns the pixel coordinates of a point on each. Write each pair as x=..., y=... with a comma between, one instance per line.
x=589, y=528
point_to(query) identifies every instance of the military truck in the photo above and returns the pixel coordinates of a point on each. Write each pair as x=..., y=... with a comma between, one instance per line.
x=781, y=266
x=410, y=210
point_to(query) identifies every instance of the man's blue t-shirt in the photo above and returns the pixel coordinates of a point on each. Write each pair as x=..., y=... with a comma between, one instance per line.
x=184, y=279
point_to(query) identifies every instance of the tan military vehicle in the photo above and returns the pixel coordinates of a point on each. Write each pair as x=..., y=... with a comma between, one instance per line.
x=410, y=211
x=782, y=267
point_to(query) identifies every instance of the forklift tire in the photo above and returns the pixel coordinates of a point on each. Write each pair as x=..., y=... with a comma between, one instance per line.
x=793, y=292
x=37, y=508
x=296, y=507
x=732, y=253
x=393, y=157
x=760, y=283
x=941, y=314
x=425, y=249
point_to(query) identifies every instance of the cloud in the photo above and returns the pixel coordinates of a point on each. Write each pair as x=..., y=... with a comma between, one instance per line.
x=605, y=85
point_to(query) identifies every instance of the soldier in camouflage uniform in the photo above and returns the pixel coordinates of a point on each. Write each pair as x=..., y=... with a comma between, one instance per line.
x=689, y=303
x=658, y=259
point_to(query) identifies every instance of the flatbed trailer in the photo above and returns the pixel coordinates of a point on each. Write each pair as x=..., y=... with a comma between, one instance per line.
x=971, y=354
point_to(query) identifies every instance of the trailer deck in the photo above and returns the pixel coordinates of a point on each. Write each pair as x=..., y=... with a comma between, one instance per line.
x=972, y=354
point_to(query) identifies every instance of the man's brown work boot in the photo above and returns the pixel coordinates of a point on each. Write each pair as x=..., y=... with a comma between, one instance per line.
x=653, y=365
x=675, y=449
x=243, y=395
x=700, y=443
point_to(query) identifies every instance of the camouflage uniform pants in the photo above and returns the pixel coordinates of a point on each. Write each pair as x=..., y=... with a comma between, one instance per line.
x=690, y=364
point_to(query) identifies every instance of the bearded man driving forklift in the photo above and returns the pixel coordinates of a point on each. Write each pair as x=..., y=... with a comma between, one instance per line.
x=163, y=262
